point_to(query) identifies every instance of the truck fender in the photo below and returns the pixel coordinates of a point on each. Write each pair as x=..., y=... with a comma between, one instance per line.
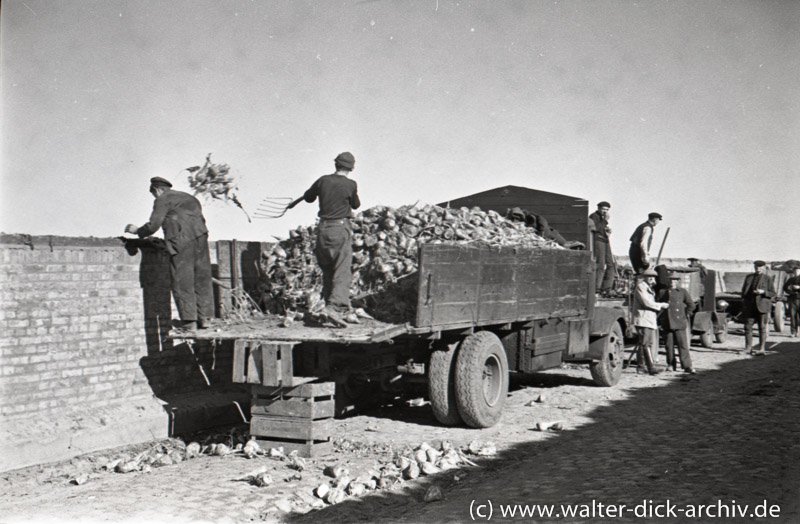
x=602, y=321
x=702, y=322
x=720, y=319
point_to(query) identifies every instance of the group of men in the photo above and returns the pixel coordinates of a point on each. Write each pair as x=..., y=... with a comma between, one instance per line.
x=180, y=215
x=669, y=307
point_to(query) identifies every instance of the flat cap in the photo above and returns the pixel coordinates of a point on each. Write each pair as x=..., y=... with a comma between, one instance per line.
x=604, y=204
x=674, y=276
x=345, y=160
x=649, y=273
x=654, y=215
x=158, y=181
x=759, y=263
x=693, y=259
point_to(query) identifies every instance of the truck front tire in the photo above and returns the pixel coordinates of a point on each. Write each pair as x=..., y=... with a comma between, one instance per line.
x=706, y=339
x=481, y=379
x=607, y=371
x=442, y=387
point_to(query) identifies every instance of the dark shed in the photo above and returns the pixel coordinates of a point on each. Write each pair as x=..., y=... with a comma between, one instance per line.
x=569, y=215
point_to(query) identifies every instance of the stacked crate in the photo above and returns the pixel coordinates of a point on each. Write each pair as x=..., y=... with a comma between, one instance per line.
x=289, y=411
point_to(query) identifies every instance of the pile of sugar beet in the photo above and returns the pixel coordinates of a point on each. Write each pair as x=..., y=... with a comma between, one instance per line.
x=386, y=244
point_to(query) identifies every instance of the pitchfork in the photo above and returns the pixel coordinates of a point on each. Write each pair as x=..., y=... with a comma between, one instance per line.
x=275, y=207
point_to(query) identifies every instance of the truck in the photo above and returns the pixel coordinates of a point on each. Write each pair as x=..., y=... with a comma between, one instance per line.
x=732, y=293
x=482, y=313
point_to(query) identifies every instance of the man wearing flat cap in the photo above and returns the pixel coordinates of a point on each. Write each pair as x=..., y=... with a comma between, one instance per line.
x=605, y=268
x=645, y=310
x=180, y=215
x=674, y=321
x=641, y=242
x=758, y=292
x=338, y=196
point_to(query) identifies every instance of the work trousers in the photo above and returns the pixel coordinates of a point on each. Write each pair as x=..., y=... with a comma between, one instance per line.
x=763, y=330
x=190, y=272
x=334, y=252
x=648, y=349
x=604, y=263
x=637, y=258
x=681, y=337
x=794, y=315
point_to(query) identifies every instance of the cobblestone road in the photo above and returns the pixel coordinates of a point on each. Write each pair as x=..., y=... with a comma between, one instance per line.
x=729, y=433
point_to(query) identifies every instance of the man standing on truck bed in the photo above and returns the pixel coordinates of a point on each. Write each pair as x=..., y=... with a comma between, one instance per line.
x=757, y=294
x=645, y=309
x=641, y=241
x=604, y=260
x=338, y=196
x=181, y=216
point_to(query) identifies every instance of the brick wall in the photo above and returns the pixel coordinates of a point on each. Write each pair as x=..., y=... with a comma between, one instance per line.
x=82, y=346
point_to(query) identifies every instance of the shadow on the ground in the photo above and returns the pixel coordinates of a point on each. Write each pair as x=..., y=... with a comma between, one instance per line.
x=730, y=434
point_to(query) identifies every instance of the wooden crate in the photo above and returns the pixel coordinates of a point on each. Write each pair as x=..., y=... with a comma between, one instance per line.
x=270, y=363
x=296, y=418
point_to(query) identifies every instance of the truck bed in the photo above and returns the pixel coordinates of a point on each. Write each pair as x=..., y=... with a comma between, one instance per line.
x=460, y=287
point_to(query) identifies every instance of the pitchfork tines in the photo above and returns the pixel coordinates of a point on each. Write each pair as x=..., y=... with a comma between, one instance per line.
x=272, y=207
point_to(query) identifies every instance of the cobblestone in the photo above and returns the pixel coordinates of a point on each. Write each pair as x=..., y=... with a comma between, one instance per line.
x=728, y=433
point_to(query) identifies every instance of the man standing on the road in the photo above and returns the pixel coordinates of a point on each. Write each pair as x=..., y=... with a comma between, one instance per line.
x=641, y=241
x=604, y=260
x=645, y=309
x=758, y=291
x=791, y=288
x=675, y=322
x=338, y=196
x=181, y=216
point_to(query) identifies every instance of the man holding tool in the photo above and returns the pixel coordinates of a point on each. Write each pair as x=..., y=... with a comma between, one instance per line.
x=338, y=196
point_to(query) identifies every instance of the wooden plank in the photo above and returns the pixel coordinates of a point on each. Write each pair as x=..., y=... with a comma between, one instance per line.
x=286, y=364
x=291, y=428
x=270, y=370
x=294, y=407
x=304, y=449
x=239, y=359
x=254, y=366
x=317, y=389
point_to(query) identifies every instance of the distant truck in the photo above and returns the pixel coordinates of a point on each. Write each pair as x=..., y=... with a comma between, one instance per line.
x=481, y=313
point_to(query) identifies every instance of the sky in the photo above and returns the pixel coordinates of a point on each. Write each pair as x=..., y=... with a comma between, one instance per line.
x=690, y=109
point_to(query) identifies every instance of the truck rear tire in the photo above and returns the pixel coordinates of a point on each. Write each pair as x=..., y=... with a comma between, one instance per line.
x=607, y=371
x=706, y=340
x=779, y=316
x=442, y=386
x=481, y=379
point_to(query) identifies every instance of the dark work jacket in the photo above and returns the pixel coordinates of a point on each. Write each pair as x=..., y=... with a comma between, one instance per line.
x=636, y=237
x=792, y=294
x=763, y=303
x=680, y=306
x=180, y=215
x=599, y=231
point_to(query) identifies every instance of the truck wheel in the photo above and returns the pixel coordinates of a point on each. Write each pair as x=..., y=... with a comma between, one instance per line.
x=442, y=386
x=607, y=371
x=722, y=335
x=706, y=339
x=481, y=379
x=778, y=316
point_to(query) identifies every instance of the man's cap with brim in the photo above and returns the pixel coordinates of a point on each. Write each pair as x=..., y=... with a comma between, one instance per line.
x=157, y=181
x=759, y=263
x=604, y=204
x=675, y=276
x=655, y=215
x=649, y=273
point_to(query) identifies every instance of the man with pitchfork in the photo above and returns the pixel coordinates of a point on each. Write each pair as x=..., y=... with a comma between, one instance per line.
x=338, y=196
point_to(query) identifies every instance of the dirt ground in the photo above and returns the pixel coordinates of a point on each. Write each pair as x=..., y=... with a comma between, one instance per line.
x=590, y=441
